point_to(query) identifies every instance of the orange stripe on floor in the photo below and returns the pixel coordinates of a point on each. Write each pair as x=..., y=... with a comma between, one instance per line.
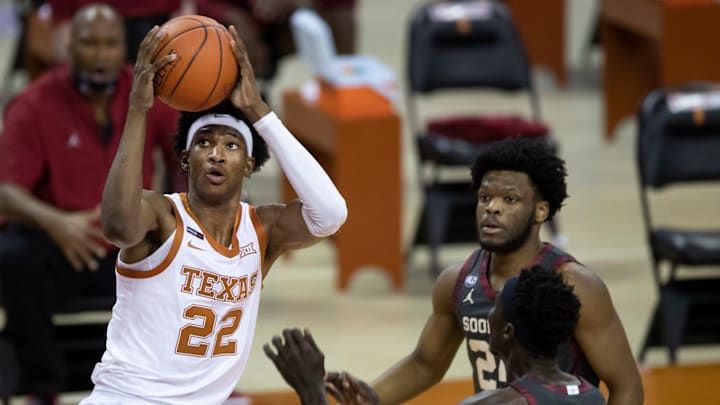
x=672, y=385
x=686, y=384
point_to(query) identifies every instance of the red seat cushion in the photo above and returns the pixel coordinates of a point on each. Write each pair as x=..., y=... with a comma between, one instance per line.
x=486, y=129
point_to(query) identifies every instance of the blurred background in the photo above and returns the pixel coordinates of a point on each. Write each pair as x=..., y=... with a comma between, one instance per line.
x=369, y=325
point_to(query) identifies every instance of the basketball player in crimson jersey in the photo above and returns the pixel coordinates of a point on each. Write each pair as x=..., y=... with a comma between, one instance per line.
x=520, y=184
x=534, y=314
x=190, y=269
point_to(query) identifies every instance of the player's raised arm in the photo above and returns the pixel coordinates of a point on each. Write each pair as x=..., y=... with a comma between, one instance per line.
x=320, y=210
x=126, y=218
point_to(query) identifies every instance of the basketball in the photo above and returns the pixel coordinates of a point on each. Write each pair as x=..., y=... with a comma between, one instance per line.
x=204, y=71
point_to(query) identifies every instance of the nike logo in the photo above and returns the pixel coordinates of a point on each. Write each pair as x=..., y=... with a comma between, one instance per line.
x=191, y=246
x=468, y=297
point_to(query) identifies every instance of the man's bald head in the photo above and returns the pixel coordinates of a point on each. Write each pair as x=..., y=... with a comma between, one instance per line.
x=97, y=47
x=93, y=12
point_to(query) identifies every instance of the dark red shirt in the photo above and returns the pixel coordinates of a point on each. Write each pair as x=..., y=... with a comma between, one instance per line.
x=64, y=9
x=218, y=9
x=51, y=144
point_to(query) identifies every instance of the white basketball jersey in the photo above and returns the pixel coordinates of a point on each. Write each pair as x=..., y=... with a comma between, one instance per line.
x=184, y=319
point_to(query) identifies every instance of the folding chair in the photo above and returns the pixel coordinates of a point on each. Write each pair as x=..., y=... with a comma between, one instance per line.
x=678, y=143
x=459, y=46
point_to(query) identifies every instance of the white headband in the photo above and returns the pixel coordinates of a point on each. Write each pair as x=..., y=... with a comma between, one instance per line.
x=222, y=119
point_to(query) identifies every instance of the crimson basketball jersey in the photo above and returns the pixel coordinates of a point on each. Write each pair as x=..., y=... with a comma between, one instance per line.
x=473, y=298
x=537, y=392
x=184, y=319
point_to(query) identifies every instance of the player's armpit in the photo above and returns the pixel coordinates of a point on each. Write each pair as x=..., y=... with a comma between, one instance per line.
x=154, y=210
x=158, y=232
x=602, y=338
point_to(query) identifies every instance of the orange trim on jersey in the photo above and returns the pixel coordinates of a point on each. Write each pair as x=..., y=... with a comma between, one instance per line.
x=260, y=231
x=234, y=247
x=177, y=239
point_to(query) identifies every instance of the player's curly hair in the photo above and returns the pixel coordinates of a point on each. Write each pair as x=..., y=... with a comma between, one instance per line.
x=260, y=149
x=530, y=156
x=548, y=309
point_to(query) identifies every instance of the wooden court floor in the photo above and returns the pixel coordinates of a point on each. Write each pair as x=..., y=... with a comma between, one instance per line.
x=686, y=384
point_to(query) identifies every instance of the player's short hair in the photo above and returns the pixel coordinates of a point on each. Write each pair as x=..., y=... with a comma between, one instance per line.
x=548, y=309
x=259, y=150
x=533, y=157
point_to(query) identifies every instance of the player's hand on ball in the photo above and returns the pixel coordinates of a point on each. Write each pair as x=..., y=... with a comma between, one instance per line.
x=142, y=93
x=246, y=95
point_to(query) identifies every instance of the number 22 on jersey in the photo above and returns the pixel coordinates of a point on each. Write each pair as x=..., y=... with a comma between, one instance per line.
x=204, y=332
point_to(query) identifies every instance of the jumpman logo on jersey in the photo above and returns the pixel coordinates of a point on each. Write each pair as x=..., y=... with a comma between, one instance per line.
x=468, y=297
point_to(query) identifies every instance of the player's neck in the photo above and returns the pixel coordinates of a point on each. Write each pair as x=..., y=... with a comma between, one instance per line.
x=517, y=362
x=217, y=219
x=548, y=371
x=506, y=265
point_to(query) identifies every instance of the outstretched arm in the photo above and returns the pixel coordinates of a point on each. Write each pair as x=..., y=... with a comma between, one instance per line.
x=126, y=216
x=420, y=370
x=434, y=352
x=321, y=210
x=602, y=338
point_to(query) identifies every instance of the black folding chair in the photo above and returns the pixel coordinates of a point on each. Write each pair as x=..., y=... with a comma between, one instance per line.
x=452, y=46
x=678, y=143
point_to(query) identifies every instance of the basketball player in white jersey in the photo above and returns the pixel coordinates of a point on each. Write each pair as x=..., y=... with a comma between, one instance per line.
x=190, y=269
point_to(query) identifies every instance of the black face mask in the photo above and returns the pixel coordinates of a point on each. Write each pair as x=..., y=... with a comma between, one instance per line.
x=88, y=87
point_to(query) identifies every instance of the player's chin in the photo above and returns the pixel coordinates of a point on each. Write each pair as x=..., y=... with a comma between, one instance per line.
x=488, y=241
x=494, y=244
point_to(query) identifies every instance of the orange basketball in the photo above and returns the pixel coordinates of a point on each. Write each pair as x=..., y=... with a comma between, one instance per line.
x=204, y=71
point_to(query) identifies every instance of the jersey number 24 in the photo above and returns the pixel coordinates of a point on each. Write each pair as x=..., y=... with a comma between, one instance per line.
x=487, y=362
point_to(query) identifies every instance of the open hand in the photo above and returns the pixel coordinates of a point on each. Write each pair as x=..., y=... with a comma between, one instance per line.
x=78, y=235
x=246, y=95
x=298, y=359
x=142, y=93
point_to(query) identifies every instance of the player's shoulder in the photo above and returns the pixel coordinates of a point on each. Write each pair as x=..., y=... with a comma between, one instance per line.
x=448, y=277
x=587, y=285
x=444, y=288
x=574, y=272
